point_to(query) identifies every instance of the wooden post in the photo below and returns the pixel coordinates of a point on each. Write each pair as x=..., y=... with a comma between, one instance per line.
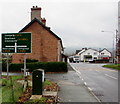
x=7, y=67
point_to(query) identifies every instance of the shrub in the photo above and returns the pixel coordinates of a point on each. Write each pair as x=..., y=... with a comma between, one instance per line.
x=16, y=67
x=4, y=64
x=47, y=66
x=47, y=82
x=11, y=90
x=4, y=82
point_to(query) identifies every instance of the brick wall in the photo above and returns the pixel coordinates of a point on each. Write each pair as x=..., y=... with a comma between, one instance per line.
x=44, y=45
x=36, y=13
x=118, y=59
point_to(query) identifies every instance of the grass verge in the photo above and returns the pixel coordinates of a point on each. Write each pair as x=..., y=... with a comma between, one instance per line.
x=0, y=95
x=113, y=66
x=11, y=90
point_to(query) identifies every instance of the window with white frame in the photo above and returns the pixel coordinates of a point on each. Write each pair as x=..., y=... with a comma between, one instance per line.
x=102, y=53
x=95, y=53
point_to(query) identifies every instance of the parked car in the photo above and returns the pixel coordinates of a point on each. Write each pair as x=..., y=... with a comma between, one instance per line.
x=74, y=59
x=71, y=59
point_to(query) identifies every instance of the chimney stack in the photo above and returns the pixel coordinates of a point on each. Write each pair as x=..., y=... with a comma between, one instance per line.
x=43, y=21
x=35, y=13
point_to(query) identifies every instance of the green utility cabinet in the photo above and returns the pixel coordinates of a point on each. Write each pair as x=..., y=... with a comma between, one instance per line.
x=37, y=81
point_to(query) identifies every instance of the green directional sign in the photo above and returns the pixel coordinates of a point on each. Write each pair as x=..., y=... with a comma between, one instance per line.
x=16, y=43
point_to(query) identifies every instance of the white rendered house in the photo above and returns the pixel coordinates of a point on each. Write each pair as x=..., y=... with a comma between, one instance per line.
x=105, y=53
x=92, y=54
x=88, y=55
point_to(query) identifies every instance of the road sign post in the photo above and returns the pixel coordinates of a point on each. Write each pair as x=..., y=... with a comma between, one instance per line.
x=16, y=43
x=7, y=66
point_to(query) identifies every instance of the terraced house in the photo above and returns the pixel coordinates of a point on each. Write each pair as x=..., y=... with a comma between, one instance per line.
x=46, y=45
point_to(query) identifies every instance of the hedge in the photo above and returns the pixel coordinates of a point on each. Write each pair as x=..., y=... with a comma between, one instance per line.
x=47, y=66
x=31, y=60
x=4, y=65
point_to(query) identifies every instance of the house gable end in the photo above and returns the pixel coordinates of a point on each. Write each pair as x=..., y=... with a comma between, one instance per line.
x=47, y=28
x=89, y=50
x=105, y=50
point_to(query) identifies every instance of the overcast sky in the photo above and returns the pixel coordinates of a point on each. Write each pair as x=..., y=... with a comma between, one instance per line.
x=77, y=22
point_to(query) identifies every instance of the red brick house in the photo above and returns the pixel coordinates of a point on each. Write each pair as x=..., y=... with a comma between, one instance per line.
x=46, y=45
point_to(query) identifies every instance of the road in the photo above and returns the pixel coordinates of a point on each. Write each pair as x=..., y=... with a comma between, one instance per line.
x=102, y=82
x=72, y=88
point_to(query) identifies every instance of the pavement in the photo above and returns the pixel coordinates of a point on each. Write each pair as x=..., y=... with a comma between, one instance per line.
x=72, y=88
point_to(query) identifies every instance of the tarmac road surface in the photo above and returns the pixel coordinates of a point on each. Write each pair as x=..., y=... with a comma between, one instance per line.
x=102, y=82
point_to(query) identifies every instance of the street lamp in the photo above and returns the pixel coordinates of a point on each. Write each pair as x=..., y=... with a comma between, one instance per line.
x=113, y=55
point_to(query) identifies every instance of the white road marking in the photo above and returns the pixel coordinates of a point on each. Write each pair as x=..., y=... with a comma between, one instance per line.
x=96, y=97
x=97, y=71
x=69, y=100
x=79, y=75
x=76, y=70
x=110, y=76
x=89, y=89
x=110, y=70
x=85, y=83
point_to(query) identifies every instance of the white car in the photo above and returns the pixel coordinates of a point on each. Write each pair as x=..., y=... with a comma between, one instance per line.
x=74, y=59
